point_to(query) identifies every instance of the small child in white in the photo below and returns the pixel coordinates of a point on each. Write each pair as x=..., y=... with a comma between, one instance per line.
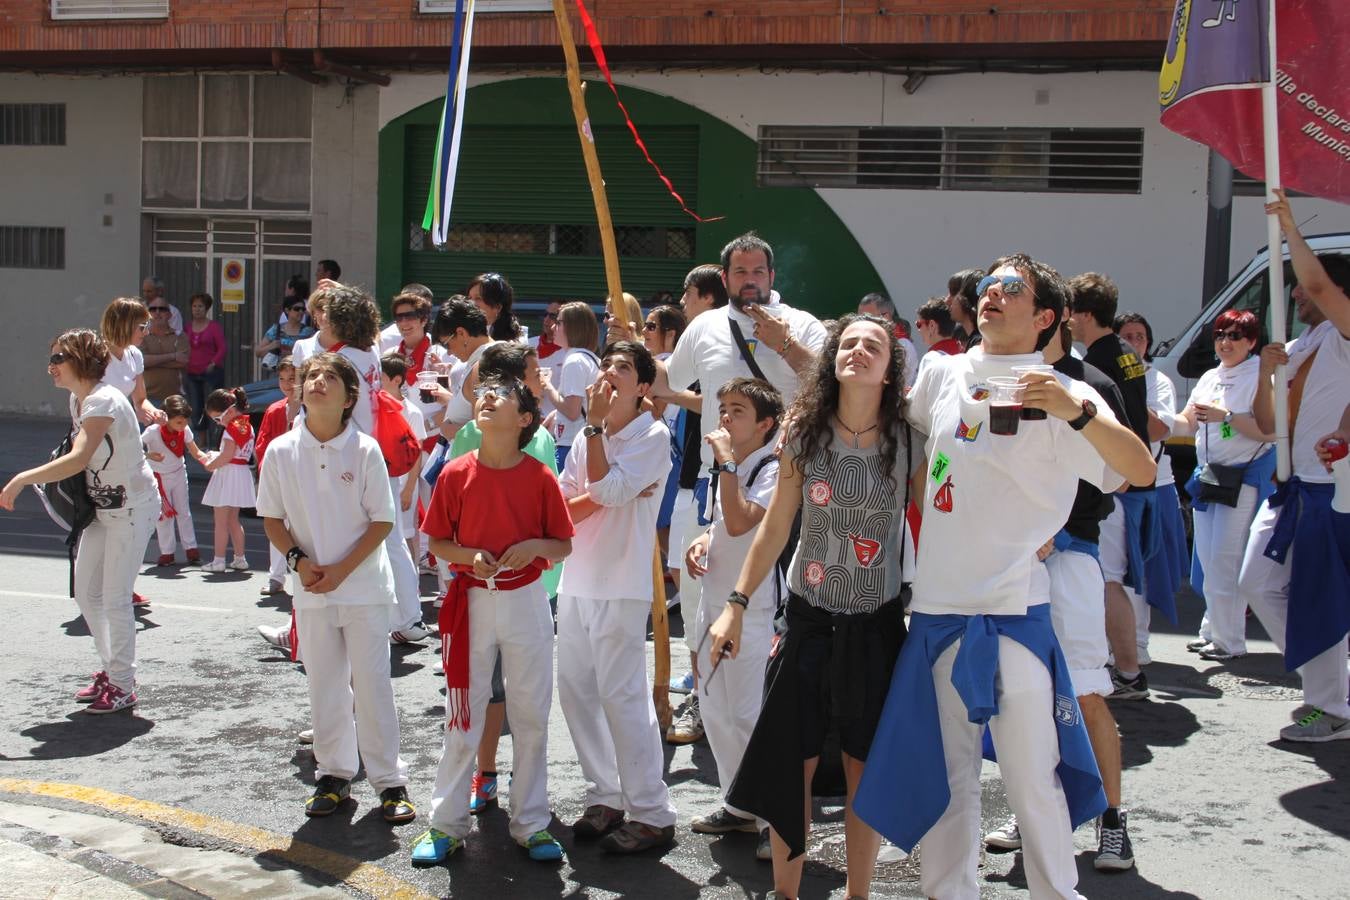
x=393, y=378
x=732, y=690
x=325, y=502
x=165, y=445
x=231, y=485
x=603, y=601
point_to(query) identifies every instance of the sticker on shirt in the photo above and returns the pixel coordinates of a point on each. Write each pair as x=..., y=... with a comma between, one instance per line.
x=941, y=463
x=1066, y=710
x=865, y=549
x=348, y=477
x=814, y=573
x=1130, y=366
x=968, y=433
x=753, y=344
x=819, y=493
x=1226, y=431
x=979, y=392
x=942, y=500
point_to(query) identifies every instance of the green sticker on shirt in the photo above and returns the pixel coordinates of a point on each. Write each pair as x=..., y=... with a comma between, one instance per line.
x=1226, y=431
x=940, y=464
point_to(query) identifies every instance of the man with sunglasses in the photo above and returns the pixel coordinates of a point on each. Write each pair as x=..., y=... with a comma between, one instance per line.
x=166, y=353
x=981, y=649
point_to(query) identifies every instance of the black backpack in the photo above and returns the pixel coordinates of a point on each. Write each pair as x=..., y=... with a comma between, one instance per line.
x=67, y=501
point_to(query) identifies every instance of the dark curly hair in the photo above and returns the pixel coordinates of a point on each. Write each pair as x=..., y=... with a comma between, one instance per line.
x=817, y=402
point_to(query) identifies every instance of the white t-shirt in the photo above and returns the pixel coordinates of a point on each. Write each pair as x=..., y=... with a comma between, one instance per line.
x=368, y=369
x=727, y=553
x=911, y=361
x=415, y=420
x=1162, y=402
x=991, y=501
x=303, y=349
x=118, y=466
x=612, y=548
x=707, y=353
x=122, y=373
x=460, y=409
x=329, y=493
x=390, y=338
x=672, y=410
x=153, y=441
x=1234, y=389
x=1325, y=394
x=553, y=363
x=577, y=372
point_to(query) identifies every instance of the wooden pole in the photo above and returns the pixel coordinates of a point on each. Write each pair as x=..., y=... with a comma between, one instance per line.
x=660, y=623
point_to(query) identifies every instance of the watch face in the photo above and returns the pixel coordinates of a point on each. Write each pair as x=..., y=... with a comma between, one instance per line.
x=1089, y=407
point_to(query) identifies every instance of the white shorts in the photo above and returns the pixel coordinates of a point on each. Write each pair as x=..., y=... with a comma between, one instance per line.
x=1078, y=613
x=1114, y=553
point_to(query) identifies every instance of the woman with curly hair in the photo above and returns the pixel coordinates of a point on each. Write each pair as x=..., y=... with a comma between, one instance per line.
x=351, y=326
x=847, y=464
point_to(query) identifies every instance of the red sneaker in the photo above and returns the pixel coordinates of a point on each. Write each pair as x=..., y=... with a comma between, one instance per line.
x=113, y=699
x=138, y=600
x=165, y=559
x=93, y=690
x=194, y=558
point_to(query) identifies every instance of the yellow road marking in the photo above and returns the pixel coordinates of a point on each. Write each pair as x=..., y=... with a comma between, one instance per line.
x=362, y=876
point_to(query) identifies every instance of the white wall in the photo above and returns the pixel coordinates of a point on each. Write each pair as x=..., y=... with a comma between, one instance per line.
x=346, y=175
x=68, y=186
x=1151, y=243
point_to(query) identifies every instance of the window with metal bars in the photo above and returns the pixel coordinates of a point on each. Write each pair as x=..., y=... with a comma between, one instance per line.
x=33, y=124
x=32, y=247
x=563, y=240
x=1075, y=160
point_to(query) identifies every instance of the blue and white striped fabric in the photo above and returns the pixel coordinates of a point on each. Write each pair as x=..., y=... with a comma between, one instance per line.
x=437, y=218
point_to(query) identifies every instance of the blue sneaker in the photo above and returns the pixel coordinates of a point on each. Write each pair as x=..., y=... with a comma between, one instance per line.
x=482, y=792
x=544, y=847
x=682, y=685
x=433, y=847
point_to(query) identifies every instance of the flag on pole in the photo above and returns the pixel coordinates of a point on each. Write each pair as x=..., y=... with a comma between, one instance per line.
x=448, y=136
x=1210, y=87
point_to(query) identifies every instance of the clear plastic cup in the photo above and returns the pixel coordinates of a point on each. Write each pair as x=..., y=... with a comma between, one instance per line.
x=1005, y=404
x=1018, y=371
x=426, y=380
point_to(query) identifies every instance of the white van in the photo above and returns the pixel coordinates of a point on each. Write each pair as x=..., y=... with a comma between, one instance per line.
x=1190, y=354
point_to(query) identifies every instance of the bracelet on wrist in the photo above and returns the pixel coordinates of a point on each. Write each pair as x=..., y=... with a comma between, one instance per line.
x=739, y=599
x=787, y=342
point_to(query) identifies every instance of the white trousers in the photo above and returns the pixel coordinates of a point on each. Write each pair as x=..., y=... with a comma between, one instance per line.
x=407, y=588
x=1143, y=615
x=110, y=554
x=276, y=564
x=730, y=700
x=351, y=697
x=606, y=698
x=518, y=624
x=1220, y=541
x=1028, y=752
x=1078, y=615
x=176, y=489
x=684, y=528
x=1264, y=586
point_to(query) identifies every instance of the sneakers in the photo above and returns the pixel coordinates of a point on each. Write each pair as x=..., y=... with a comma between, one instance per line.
x=239, y=564
x=764, y=847
x=682, y=685
x=688, y=725
x=543, y=847
x=306, y=736
x=93, y=690
x=194, y=556
x=482, y=792
x=432, y=847
x=396, y=807
x=635, y=837
x=1317, y=727
x=1114, y=853
x=113, y=699
x=1196, y=645
x=329, y=792
x=273, y=587
x=138, y=600
x=165, y=559
x=1215, y=653
x=415, y=633
x=1135, y=688
x=1300, y=711
x=215, y=566
x=722, y=822
x=1006, y=837
x=278, y=636
x=596, y=822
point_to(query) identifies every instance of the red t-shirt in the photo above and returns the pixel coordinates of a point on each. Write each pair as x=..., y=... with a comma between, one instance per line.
x=273, y=425
x=494, y=509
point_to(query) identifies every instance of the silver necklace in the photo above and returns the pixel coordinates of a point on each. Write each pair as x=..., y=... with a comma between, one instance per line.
x=857, y=435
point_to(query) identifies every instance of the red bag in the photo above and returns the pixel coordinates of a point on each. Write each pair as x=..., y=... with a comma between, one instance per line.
x=398, y=444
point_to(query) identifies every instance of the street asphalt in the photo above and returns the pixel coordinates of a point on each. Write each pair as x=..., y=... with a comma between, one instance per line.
x=208, y=765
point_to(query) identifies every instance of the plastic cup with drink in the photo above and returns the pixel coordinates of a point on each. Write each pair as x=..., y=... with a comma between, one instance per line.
x=1018, y=371
x=1005, y=404
x=426, y=380
x=1339, y=451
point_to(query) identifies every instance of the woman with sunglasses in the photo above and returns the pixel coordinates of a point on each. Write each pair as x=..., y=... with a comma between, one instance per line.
x=281, y=337
x=492, y=294
x=123, y=329
x=107, y=448
x=1220, y=409
x=165, y=352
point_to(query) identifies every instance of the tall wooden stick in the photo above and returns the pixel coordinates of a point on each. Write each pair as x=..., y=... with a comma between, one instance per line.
x=660, y=623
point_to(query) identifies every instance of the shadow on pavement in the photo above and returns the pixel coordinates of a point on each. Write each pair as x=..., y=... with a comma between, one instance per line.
x=1323, y=804
x=1148, y=724
x=83, y=734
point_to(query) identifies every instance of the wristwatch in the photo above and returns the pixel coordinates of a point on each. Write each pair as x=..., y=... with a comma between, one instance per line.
x=1089, y=413
x=739, y=599
x=293, y=557
x=728, y=466
x=1228, y=417
x=592, y=430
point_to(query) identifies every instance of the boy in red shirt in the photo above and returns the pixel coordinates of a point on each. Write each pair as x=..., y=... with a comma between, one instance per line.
x=498, y=517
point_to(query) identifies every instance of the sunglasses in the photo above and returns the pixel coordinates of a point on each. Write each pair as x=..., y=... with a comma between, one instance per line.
x=552, y=316
x=650, y=326
x=499, y=391
x=159, y=309
x=1233, y=336
x=1012, y=285
x=296, y=307
x=57, y=358
x=407, y=316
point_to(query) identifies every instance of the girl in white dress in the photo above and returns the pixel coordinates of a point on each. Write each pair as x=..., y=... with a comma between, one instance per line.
x=231, y=485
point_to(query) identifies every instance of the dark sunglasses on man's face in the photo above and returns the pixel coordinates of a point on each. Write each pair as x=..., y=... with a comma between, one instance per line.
x=159, y=309
x=1012, y=285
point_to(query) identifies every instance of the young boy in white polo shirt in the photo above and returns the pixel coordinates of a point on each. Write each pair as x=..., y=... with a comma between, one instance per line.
x=603, y=601
x=325, y=501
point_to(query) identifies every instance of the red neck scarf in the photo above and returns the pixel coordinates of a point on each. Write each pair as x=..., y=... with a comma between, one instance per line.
x=417, y=356
x=547, y=348
x=176, y=441
x=240, y=431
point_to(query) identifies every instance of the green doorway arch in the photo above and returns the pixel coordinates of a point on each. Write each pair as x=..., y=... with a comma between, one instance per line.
x=525, y=207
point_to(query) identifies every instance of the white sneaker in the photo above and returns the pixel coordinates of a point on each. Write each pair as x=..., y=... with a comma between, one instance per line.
x=1006, y=837
x=278, y=636
x=306, y=736
x=239, y=563
x=273, y=587
x=415, y=633
x=215, y=566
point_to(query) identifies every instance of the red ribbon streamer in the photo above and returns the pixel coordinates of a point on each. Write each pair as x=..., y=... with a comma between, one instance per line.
x=598, y=50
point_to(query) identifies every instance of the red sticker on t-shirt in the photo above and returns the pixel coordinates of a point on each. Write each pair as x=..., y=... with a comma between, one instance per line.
x=942, y=500
x=814, y=573
x=865, y=549
x=819, y=493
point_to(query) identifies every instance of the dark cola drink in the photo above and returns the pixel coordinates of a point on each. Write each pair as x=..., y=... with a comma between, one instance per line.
x=427, y=396
x=1003, y=417
x=444, y=381
x=1032, y=415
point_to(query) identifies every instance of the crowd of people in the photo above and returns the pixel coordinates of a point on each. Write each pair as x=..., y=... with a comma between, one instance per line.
x=936, y=558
